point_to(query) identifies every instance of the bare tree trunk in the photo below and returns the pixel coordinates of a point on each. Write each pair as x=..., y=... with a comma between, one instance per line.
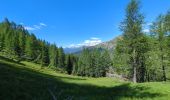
x=134, y=66
x=134, y=74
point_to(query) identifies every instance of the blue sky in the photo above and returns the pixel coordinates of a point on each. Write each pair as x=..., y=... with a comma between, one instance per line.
x=75, y=22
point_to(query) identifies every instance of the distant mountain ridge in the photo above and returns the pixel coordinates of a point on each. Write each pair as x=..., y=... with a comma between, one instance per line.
x=73, y=49
x=108, y=45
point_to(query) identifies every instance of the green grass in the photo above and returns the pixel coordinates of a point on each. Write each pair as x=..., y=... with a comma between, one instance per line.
x=27, y=81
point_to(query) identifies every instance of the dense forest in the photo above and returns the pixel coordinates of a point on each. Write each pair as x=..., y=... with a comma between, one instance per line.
x=138, y=55
x=18, y=44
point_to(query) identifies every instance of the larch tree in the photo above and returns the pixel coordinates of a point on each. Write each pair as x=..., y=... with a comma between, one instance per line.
x=61, y=58
x=53, y=55
x=44, y=54
x=69, y=64
x=132, y=35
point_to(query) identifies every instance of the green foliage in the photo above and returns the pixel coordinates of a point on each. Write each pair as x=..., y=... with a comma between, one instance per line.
x=133, y=38
x=143, y=57
x=18, y=44
x=44, y=54
x=148, y=53
x=159, y=32
x=71, y=61
x=93, y=63
x=61, y=58
x=167, y=21
x=53, y=55
x=29, y=47
x=121, y=58
x=29, y=82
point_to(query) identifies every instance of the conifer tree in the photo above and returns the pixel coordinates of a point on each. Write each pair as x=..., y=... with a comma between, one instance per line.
x=44, y=54
x=132, y=35
x=61, y=58
x=53, y=55
x=29, y=45
x=69, y=64
x=106, y=62
x=21, y=40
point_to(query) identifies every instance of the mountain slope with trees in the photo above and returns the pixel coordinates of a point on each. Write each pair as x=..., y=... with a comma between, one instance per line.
x=18, y=44
x=34, y=69
x=135, y=55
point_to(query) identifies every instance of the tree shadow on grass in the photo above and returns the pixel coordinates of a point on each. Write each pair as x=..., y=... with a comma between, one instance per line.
x=25, y=84
x=10, y=60
x=136, y=92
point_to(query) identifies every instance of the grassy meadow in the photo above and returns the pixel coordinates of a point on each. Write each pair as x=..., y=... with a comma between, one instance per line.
x=28, y=81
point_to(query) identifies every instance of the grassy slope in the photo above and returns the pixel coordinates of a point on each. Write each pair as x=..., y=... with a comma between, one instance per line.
x=26, y=81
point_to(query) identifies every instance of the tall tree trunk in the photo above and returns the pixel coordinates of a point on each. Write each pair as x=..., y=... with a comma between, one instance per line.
x=162, y=64
x=134, y=66
x=148, y=77
x=164, y=73
x=134, y=74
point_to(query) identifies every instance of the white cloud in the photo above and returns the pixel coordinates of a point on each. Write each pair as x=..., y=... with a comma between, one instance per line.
x=37, y=27
x=94, y=38
x=146, y=27
x=149, y=24
x=146, y=30
x=29, y=28
x=34, y=27
x=42, y=24
x=73, y=46
x=90, y=42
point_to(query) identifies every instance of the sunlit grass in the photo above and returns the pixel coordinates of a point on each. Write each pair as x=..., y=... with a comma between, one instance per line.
x=31, y=82
x=70, y=78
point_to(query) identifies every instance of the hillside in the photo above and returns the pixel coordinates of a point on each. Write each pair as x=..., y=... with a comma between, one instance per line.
x=28, y=81
x=108, y=45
